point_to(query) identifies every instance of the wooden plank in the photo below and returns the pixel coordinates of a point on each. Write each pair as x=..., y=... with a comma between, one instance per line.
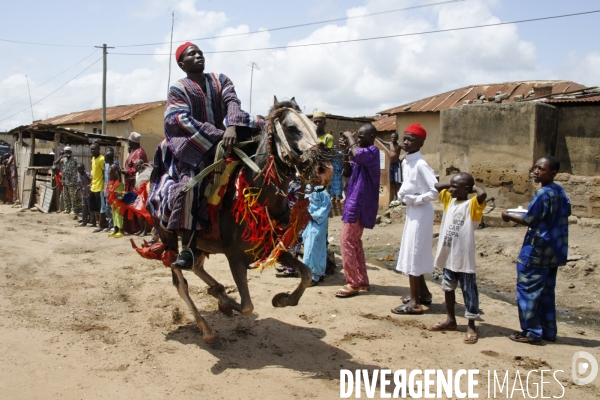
x=28, y=189
x=40, y=208
x=46, y=193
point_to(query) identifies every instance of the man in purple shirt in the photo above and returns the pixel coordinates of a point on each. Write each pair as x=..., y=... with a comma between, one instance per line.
x=360, y=206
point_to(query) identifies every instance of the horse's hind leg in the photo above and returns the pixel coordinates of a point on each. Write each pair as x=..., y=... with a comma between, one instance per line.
x=208, y=334
x=226, y=304
x=287, y=299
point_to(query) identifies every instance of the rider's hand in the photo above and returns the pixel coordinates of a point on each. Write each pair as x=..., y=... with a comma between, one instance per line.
x=229, y=137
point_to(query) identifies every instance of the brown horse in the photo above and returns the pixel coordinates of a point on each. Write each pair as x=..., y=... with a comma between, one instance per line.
x=290, y=137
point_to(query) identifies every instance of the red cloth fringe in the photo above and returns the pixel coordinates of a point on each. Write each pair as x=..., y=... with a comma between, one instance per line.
x=269, y=238
x=126, y=210
x=155, y=251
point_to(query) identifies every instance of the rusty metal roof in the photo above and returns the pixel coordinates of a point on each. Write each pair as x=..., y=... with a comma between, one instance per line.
x=385, y=123
x=113, y=114
x=574, y=99
x=455, y=98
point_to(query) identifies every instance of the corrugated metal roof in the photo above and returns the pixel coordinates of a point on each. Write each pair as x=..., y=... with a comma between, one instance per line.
x=455, y=98
x=385, y=123
x=574, y=99
x=116, y=113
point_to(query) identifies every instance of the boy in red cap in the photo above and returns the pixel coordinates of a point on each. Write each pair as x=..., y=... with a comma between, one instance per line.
x=417, y=192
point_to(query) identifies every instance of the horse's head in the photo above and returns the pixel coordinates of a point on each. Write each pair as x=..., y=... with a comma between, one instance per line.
x=296, y=143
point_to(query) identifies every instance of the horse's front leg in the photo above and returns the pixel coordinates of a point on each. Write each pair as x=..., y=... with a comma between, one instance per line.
x=208, y=334
x=226, y=304
x=238, y=264
x=287, y=299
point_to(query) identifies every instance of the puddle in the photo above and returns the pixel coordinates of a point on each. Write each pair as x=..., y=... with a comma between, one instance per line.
x=562, y=315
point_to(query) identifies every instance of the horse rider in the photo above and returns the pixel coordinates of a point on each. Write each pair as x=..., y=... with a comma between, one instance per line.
x=202, y=109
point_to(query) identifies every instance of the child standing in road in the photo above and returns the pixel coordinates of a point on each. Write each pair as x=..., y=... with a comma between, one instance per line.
x=417, y=192
x=115, y=189
x=544, y=249
x=314, y=236
x=84, y=180
x=456, y=249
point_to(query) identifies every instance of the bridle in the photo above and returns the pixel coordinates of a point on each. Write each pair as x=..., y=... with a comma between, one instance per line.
x=283, y=152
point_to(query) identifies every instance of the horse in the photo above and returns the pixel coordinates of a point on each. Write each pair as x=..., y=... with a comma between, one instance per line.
x=286, y=146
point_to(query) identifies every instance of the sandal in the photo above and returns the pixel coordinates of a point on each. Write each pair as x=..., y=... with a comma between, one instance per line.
x=405, y=309
x=346, y=291
x=287, y=274
x=437, y=327
x=522, y=338
x=471, y=338
x=313, y=283
x=406, y=300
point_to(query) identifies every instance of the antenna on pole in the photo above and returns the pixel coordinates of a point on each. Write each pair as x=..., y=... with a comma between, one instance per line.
x=170, y=51
x=252, y=66
x=30, y=103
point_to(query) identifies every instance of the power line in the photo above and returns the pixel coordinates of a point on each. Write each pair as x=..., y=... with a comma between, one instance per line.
x=42, y=44
x=377, y=37
x=56, y=76
x=300, y=25
x=51, y=93
x=249, y=33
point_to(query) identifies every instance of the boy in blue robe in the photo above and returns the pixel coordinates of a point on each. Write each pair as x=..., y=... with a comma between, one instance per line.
x=544, y=249
x=314, y=236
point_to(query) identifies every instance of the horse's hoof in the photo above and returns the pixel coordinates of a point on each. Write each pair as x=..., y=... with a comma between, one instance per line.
x=215, y=290
x=225, y=309
x=210, y=338
x=281, y=300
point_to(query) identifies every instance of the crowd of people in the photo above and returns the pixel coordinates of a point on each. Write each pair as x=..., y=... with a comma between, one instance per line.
x=108, y=203
x=199, y=107
x=544, y=249
x=8, y=179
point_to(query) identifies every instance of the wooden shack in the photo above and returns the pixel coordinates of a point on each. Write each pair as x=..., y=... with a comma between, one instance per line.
x=34, y=167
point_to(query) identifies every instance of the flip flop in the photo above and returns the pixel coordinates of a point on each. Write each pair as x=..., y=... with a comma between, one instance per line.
x=471, y=338
x=405, y=309
x=406, y=299
x=287, y=274
x=521, y=338
x=346, y=291
x=439, y=328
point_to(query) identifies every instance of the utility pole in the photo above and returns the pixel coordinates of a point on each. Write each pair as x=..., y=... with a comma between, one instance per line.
x=30, y=103
x=171, y=52
x=252, y=66
x=104, y=53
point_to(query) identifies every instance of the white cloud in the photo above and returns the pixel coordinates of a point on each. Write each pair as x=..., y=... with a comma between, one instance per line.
x=351, y=79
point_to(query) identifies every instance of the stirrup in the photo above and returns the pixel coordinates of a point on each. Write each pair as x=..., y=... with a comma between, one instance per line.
x=183, y=262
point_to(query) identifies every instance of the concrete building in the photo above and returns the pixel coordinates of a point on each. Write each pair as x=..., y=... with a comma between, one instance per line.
x=427, y=111
x=145, y=118
x=498, y=138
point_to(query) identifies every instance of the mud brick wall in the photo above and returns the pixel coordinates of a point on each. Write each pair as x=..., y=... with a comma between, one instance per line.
x=584, y=193
x=579, y=138
x=497, y=144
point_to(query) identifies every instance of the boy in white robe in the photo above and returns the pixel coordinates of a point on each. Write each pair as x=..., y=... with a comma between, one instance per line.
x=417, y=192
x=456, y=249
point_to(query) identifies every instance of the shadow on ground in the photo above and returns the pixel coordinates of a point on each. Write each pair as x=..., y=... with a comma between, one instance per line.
x=251, y=344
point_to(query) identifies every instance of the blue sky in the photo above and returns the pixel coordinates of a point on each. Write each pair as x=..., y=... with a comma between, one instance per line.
x=349, y=79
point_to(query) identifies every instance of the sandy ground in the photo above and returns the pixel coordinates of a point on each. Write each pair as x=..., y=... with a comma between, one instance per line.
x=82, y=316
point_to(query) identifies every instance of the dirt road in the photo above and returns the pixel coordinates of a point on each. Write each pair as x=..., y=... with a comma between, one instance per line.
x=82, y=316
